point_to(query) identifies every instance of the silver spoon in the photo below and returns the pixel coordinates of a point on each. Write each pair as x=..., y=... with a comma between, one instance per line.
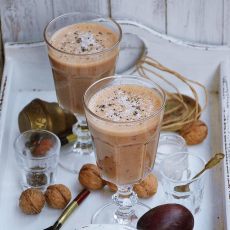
x=210, y=164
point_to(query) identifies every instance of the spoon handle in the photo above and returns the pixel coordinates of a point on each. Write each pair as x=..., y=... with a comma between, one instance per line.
x=211, y=163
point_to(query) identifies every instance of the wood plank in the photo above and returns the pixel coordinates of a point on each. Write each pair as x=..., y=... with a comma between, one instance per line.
x=1, y=57
x=196, y=21
x=100, y=6
x=226, y=23
x=151, y=13
x=24, y=20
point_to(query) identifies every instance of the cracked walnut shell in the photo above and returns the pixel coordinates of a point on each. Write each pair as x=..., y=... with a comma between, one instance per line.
x=146, y=189
x=194, y=132
x=58, y=196
x=90, y=178
x=112, y=186
x=31, y=201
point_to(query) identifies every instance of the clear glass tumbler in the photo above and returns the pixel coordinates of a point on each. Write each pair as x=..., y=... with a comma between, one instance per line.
x=37, y=154
x=76, y=64
x=177, y=179
x=125, y=150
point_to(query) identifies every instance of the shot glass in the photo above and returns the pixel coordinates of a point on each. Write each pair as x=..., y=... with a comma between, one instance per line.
x=191, y=194
x=169, y=143
x=37, y=154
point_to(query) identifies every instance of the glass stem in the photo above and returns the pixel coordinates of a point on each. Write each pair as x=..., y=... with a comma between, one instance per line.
x=84, y=141
x=125, y=198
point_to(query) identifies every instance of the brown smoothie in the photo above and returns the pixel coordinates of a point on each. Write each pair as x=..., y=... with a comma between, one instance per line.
x=126, y=139
x=81, y=57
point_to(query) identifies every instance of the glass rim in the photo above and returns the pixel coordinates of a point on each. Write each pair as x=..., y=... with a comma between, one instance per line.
x=126, y=122
x=83, y=55
x=172, y=134
x=36, y=158
x=163, y=135
x=182, y=181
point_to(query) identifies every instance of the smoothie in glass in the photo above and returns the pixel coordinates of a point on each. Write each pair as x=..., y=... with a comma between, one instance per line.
x=81, y=61
x=126, y=146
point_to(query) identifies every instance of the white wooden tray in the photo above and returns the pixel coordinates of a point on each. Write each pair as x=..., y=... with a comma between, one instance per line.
x=27, y=75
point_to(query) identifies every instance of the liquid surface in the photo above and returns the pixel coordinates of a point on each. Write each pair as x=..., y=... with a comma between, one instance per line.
x=125, y=103
x=83, y=38
x=125, y=150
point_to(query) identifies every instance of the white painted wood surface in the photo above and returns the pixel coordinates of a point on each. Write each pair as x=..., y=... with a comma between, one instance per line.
x=29, y=76
x=196, y=21
x=199, y=21
x=151, y=13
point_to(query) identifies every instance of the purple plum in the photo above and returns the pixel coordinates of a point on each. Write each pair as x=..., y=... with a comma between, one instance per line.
x=167, y=217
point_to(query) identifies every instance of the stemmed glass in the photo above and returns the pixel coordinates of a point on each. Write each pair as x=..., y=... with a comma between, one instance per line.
x=125, y=150
x=74, y=72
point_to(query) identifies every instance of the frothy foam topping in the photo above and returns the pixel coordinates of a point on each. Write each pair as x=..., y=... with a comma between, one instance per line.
x=125, y=103
x=83, y=38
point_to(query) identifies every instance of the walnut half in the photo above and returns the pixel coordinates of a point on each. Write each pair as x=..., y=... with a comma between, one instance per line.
x=58, y=196
x=194, y=132
x=89, y=177
x=31, y=201
x=146, y=189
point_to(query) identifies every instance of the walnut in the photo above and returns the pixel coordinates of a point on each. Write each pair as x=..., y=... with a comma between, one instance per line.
x=89, y=177
x=194, y=132
x=31, y=201
x=147, y=188
x=58, y=196
x=112, y=186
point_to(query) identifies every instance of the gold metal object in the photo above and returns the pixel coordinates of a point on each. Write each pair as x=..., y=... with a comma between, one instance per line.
x=39, y=114
x=71, y=138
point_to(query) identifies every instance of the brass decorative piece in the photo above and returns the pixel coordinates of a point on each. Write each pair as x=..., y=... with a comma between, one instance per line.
x=39, y=114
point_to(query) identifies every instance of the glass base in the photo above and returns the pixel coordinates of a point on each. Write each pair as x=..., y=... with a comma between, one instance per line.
x=72, y=157
x=107, y=215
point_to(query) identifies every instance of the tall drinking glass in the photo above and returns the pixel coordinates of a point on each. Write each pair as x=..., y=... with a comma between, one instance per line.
x=83, y=47
x=124, y=115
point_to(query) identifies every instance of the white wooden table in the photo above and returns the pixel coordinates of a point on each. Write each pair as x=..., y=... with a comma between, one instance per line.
x=199, y=21
x=27, y=75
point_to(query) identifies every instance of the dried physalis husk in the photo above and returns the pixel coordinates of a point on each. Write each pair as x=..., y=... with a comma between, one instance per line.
x=194, y=132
